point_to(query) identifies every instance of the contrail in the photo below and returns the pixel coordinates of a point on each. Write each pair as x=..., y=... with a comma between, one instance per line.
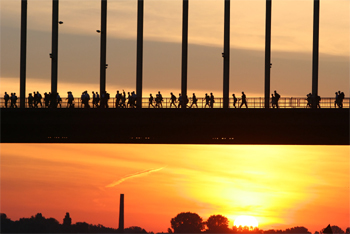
x=141, y=173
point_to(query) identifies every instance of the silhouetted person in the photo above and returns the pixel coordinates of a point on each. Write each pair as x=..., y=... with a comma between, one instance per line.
x=13, y=100
x=6, y=98
x=309, y=100
x=336, y=102
x=159, y=99
x=277, y=98
x=35, y=99
x=97, y=99
x=59, y=100
x=234, y=100
x=317, y=101
x=117, y=99
x=207, y=99
x=129, y=100
x=39, y=97
x=273, y=101
x=212, y=100
x=150, y=101
x=30, y=100
x=82, y=99
x=70, y=100
x=93, y=99
x=123, y=100
x=173, y=100
x=180, y=101
x=133, y=99
x=341, y=98
x=106, y=99
x=194, y=101
x=244, y=100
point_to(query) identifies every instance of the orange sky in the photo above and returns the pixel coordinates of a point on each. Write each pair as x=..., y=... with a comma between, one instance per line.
x=282, y=186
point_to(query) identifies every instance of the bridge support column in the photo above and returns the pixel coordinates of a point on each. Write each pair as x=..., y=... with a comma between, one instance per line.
x=54, y=50
x=315, y=51
x=184, y=51
x=121, y=214
x=267, y=53
x=103, y=65
x=226, y=55
x=23, y=55
x=139, y=70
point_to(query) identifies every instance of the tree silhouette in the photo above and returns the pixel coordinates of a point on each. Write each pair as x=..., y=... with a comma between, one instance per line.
x=337, y=229
x=297, y=230
x=134, y=229
x=328, y=229
x=217, y=224
x=273, y=231
x=347, y=230
x=187, y=222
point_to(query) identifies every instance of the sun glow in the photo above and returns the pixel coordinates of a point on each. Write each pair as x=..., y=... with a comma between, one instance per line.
x=245, y=220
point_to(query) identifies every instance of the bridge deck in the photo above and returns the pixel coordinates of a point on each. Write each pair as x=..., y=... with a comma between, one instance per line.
x=176, y=126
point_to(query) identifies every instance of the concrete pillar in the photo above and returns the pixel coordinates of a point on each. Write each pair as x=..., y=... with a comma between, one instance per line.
x=226, y=55
x=54, y=51
x=184, y=50
x=23, y=55
x=315, y=50
x=103, y=65
x=139, y=70
x=267, y=53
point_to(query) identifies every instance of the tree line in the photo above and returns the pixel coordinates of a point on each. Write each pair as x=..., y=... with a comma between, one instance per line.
x=185, y=222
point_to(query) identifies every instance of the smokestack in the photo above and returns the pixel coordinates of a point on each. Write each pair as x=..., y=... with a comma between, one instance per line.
x=121, y=214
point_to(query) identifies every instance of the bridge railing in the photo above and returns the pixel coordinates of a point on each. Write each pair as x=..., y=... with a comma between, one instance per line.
x=253, y=102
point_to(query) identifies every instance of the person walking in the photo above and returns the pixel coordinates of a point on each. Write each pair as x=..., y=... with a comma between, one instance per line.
x=150, y=101
x=234, y=100
x=211, y=100
x=6, y=98
x=277, y=98
x=244, y=100
x=207, y=99
x=173, y=100
x=194, y=101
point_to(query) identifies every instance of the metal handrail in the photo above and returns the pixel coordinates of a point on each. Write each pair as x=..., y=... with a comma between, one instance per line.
x=253, y=102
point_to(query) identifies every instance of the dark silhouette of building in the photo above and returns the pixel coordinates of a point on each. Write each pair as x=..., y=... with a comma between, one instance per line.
x=67, y=221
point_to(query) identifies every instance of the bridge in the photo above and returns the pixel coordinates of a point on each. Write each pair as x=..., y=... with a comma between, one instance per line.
x=287, y=126
x=293, y=123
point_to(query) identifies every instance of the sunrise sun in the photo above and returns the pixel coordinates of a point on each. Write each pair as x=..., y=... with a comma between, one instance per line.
x=245, y=220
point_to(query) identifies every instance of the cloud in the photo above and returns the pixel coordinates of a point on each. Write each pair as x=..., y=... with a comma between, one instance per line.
x=137, y=174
